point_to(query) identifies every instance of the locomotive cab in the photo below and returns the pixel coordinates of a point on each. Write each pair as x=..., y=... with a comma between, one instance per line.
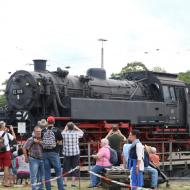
x=175, y=100
x=165, y=87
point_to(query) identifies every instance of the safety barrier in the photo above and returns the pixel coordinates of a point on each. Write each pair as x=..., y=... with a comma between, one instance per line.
x=117, y=182
x=55, y=178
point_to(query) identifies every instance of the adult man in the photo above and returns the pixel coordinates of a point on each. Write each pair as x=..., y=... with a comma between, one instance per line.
x=34, y=155
x=71, y=135
x=5, y=154
x=151, y=170
x=135, y=161
x=51, y=137
x=115, y=138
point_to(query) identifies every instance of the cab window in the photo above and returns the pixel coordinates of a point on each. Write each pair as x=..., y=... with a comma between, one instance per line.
x=169, y=93
x=166, y=93
x=172, y=94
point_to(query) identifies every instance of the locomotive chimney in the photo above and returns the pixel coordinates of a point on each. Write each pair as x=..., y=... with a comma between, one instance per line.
x=39, y=65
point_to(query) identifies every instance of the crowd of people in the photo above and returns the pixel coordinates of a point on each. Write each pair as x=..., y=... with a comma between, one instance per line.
x=136, y=157
x=40, y=153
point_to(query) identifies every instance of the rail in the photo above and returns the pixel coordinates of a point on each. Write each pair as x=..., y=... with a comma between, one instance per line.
x=172, y=153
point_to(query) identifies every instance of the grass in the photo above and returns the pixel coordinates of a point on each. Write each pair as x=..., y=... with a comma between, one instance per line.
x=174, y=185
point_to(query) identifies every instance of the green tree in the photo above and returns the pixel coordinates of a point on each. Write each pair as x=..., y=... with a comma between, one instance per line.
x=159, y=69
x=184, y=76
x=130, y=67
x=3, y=101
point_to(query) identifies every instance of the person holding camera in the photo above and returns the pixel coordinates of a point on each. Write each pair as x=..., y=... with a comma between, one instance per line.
x=116, y=138
x=71, y=151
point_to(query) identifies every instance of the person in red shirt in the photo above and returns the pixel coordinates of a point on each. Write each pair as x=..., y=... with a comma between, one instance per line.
x=153, y=157
x=155, y=162
x=5, y=151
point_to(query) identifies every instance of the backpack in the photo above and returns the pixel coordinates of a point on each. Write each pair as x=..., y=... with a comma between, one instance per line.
x=13, y=144
x=3, y=147
x=49, y=139
x=113, y=156
x=146, y=159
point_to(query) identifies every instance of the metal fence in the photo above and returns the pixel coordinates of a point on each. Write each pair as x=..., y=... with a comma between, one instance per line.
x=172, y=153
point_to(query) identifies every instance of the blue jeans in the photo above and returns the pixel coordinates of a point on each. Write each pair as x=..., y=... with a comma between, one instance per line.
x=94, y=179
x=36, y=173
x=136, y=180
x=154, y=176
x=52, y=159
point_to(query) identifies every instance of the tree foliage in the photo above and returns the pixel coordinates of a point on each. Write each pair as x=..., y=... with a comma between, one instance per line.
x=3, y=101
x=184, y=76
x=130, y=67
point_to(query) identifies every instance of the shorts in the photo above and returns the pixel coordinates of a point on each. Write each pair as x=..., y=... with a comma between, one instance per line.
x=5, y=159
x=70, y=162
x=23, y=175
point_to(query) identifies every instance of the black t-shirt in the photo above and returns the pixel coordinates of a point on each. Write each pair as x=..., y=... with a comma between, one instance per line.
x=58, y=137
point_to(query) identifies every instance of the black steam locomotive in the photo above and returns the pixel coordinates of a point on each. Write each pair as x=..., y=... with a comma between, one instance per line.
x=141, y=98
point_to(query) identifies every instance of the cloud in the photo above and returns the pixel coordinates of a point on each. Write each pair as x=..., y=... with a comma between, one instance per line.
x=66, y=33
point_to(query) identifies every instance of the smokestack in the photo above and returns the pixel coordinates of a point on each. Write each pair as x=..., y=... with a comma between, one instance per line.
x=39, y=65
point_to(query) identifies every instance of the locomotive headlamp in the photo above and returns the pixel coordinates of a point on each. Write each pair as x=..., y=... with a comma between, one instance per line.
x=39, y=83
x=27, y=84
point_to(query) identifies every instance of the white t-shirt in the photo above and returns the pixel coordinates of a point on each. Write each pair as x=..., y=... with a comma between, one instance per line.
x=7, y=137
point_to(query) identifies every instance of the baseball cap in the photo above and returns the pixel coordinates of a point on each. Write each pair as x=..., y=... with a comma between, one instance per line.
x=51, y=120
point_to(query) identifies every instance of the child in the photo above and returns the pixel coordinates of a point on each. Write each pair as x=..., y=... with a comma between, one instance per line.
x=13, y=169
x=23, y=171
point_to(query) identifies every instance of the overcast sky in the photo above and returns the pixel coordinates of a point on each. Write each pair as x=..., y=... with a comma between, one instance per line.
x=65, y=32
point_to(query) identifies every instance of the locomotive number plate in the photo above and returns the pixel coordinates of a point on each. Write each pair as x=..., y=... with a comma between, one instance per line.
x=17, y=91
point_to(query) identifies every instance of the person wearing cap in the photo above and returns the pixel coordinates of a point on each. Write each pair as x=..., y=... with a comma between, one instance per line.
x=71, y=151
x=116, y=138
x=148, y=168
x=51, y=138
x=5, y=153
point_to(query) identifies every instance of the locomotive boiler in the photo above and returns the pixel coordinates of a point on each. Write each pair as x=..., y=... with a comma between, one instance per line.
x=141, y=99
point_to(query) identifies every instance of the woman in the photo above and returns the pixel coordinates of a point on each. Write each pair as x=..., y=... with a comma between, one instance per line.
x=102, y=162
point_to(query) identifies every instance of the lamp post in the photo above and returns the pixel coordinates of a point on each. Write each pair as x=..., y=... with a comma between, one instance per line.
x=102, y=51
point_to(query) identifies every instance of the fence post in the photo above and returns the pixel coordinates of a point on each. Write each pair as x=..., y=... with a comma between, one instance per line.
x=171, y=160
x=163, y=155
x=89, y=160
